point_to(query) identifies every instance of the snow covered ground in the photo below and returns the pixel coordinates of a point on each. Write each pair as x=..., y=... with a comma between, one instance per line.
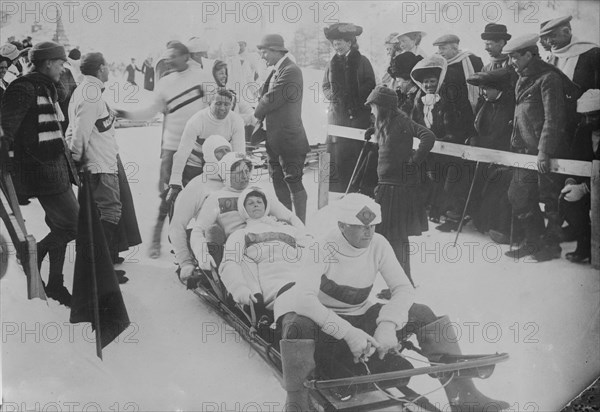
x=178, y=355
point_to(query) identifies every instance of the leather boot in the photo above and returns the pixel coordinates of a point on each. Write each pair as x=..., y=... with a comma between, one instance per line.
x=298, y=363
x=110, y=230
x=299, y=200
x=550, y=245
x=154, y=249
x=439, y=338
x=533, y=225
x=56, y=289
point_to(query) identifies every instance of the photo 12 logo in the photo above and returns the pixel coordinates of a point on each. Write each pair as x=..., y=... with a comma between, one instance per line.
x=269, y=11
x=68, y=11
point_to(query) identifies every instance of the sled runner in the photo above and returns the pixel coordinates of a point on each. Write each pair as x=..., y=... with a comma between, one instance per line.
x=353, y=393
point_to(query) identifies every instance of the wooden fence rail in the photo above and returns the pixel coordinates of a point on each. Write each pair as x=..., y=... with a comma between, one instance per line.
x=560, y=166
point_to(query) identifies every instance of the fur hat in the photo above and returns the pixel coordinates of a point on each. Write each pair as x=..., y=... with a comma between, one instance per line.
x=404, y=63
x=342, y=31
x=47, y=50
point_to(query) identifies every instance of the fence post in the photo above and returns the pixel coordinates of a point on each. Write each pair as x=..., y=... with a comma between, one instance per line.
x=323, y=176
x=595, y=208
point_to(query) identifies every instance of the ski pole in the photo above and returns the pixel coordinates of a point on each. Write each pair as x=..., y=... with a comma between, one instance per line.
x=362, y=152
x=464, y=213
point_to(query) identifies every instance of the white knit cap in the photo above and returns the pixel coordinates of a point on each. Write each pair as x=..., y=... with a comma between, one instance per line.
x=358, y=209
x=589, y=101
x=227, y=163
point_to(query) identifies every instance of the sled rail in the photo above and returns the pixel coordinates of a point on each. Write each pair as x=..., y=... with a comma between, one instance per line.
x=478, y=362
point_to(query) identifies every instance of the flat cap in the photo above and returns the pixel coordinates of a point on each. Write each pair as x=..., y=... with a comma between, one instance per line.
x=554, y=24
x=445, y=39
x=495, y=31
x=498, y=79
x=521, y=42
x=342, y=31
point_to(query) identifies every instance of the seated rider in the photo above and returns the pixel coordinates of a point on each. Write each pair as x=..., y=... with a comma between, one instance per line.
x=190, y=200
x=263, y=257
x=221, y=208
x=327, y=316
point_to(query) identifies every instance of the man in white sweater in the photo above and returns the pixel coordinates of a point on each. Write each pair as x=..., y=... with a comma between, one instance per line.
x=217, y=119
x=179, y=95
x=328, y=320
x=91, y=139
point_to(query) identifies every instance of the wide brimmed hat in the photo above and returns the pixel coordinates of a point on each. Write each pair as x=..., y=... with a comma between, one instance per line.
x=496, y=32
x=392, y=38
x=383, y=96
x=272, y=42
x=404, y=63
x=12, y=52
x=411, y=31
x=342, y=31
x=498, y=79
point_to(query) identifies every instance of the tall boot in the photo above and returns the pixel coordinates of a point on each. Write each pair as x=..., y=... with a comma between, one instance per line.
x=298, y=362
x=533, y=226
x=154, y=250
x=110, y=230
x=438, y=338
x=550, y=244
x=56, y=289
x=299, y=200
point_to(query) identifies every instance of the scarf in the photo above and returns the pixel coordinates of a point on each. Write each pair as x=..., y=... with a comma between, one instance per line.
x=429, y=101
x=49, y=113
x=566, y=58
x=468, y=70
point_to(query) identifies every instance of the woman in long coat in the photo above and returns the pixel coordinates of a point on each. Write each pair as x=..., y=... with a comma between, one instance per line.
x=348, y=80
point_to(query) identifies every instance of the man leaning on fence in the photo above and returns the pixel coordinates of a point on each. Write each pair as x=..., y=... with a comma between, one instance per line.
x=539, y=129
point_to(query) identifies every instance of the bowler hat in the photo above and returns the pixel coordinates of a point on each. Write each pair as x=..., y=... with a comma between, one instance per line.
x=272, y=42
x=342, y=31
x=496, y=32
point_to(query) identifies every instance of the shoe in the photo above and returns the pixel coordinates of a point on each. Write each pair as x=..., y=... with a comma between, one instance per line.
x=547, y=252
x=56, y=290
x=121, y=276
x=527, y=249
x=119, y=260
x=499, y=237
x=579, y=257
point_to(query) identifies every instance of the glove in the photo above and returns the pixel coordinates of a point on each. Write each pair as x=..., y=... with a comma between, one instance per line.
x=173, y=193
x=120, y=113
x=206, y=262
x=573, y=193
x=360, y=343
x=543, y=162
x=385, y=334
x=244, y=296
x=369, y=133
x=186, y=272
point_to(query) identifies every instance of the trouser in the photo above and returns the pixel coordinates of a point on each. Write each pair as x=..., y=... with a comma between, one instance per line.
x=166, y=164
x=62, y=212
x=577, y=215
x=286, y=172
x=105, y=190
x=527, y=189
x=333, y=357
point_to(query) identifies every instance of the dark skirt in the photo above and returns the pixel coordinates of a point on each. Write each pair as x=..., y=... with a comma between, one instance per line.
x=402, y=211
x=128, y=231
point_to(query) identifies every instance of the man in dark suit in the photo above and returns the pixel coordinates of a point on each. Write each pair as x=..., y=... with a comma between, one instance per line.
x=280, y=111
